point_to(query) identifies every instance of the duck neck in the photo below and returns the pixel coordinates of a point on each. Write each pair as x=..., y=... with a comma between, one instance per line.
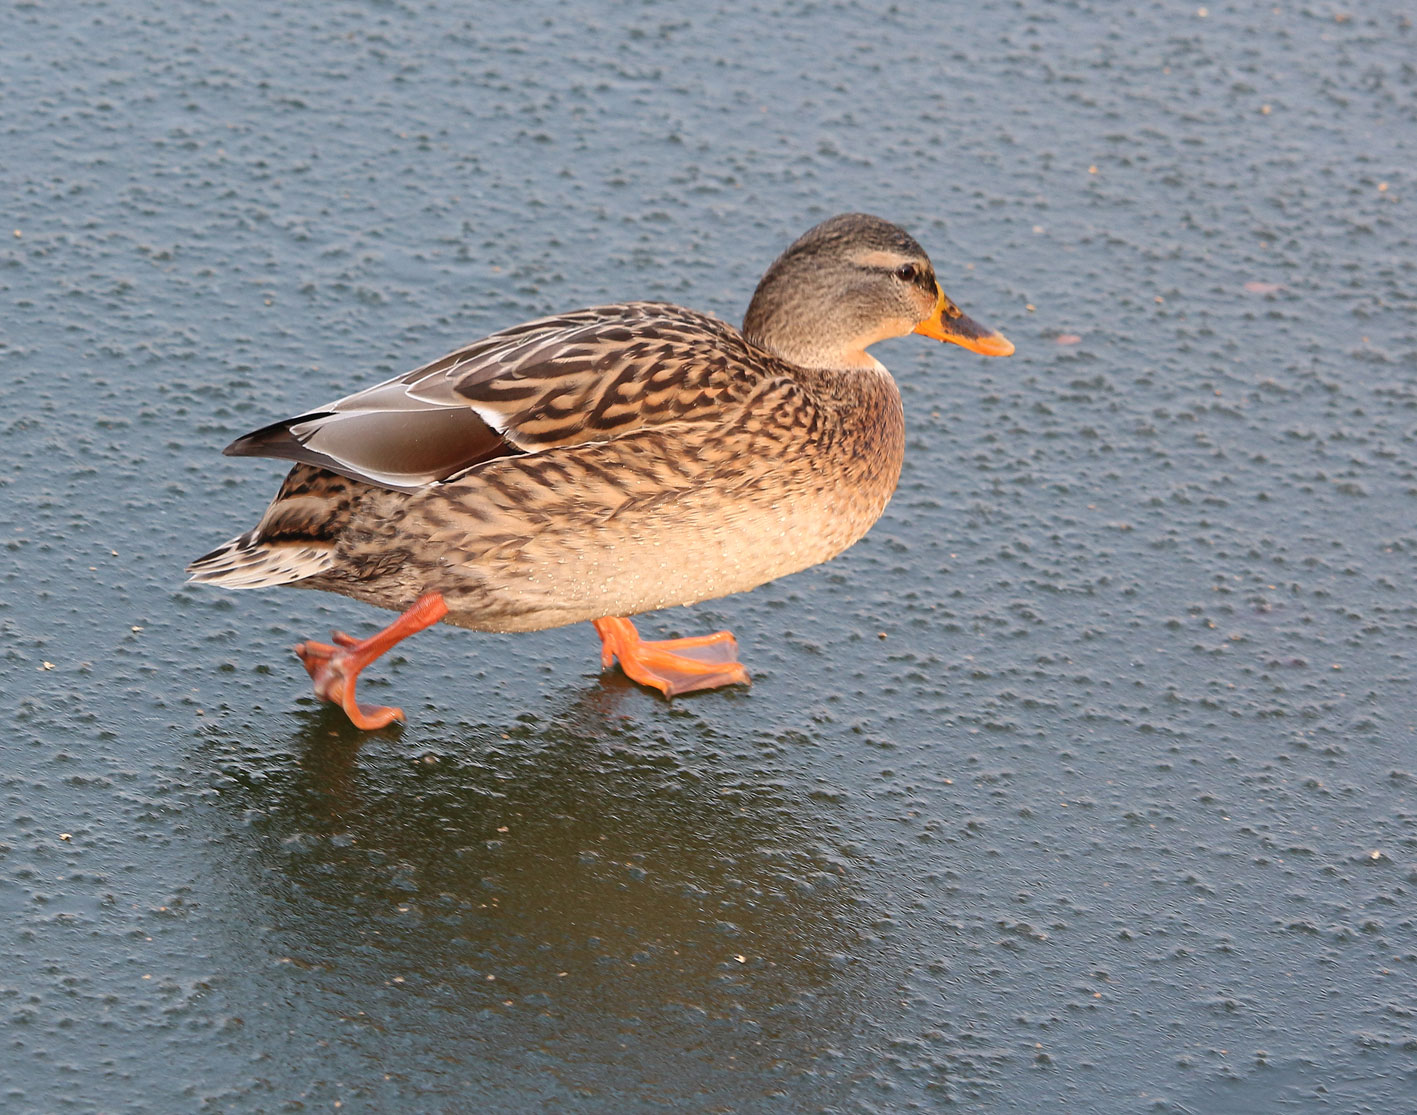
x=798, y=337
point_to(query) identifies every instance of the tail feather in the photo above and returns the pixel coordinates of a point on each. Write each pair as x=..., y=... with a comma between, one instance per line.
x=295, y=538
x=248, y=562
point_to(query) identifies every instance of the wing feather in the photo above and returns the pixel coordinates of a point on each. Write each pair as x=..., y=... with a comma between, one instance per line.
x=576, y=378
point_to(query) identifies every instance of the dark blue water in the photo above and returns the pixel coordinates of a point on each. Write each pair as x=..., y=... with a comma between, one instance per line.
x=1085, y=783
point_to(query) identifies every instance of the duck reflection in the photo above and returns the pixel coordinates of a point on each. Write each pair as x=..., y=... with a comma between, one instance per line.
x=603, y=887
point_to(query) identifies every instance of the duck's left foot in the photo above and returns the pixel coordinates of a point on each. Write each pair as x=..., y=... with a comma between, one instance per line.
x=335, y=669
x=672, y=666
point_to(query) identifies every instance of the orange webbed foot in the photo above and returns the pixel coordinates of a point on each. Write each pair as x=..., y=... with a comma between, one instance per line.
x=672, y=666
x=335, y=669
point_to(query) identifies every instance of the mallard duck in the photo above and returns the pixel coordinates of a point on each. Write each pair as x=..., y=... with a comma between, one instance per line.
x=606, y=462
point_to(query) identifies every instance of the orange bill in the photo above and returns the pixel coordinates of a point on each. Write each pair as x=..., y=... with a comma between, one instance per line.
x=948, y=323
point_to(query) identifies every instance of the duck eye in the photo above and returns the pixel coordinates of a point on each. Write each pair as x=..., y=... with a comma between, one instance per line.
x=906, y=272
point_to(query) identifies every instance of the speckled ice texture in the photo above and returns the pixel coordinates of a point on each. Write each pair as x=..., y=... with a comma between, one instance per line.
x=1086, y=783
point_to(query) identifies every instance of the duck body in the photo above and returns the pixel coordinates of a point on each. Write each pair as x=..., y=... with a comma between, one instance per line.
x=696, y=466
x=613, y=460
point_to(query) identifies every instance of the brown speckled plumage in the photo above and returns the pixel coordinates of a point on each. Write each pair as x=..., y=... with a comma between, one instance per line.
x=613, y=460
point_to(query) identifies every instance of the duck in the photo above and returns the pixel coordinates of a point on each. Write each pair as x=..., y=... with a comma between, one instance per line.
x=604, y=463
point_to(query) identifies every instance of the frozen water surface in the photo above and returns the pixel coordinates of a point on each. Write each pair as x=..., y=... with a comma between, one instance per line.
x=1085, y=783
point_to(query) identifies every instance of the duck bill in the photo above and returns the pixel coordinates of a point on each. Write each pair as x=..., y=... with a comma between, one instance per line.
x=949, y=323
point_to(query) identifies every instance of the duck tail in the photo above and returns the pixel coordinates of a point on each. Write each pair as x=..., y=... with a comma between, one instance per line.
x=295, y=539
x=249, y=562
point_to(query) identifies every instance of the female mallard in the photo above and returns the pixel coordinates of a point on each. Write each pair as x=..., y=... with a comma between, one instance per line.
x=606, y=462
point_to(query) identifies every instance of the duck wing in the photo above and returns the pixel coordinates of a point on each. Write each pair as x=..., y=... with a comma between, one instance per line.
x=578, y=378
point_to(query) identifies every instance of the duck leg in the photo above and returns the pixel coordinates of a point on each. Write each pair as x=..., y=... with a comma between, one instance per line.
x=336, y=669
x=672, y=666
